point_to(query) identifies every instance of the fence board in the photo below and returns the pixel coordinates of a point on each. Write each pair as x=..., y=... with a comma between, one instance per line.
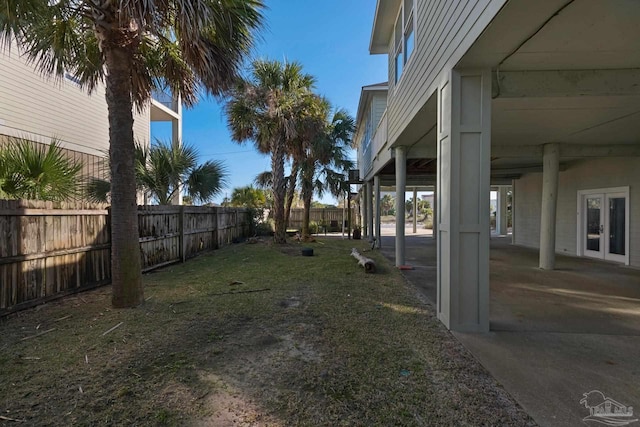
x=331, y=218
x=48, y=250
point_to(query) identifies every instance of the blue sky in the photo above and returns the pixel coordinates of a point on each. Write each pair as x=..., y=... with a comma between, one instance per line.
x=330, y=38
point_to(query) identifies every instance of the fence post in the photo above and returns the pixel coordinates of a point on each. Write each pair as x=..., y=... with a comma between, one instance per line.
x=183, y=243
x=215, y=227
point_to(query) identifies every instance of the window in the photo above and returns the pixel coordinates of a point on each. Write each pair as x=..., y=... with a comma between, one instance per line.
x=399, y=60
x=404, y=37
x=72, y=77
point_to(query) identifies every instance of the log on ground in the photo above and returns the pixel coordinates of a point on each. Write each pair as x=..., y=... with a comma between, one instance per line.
x=368, y=264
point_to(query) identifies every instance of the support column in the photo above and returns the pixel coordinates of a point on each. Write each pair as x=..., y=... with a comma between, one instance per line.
x=435, y=217
x=176, y=141
x=349, y=219
x=501, y=214
x=401, y=186
x=369, y=208
x=464, y=155
x=363, y=208
x=415, y=210
x=550, y=175
x=378, y=209
x=513, y=212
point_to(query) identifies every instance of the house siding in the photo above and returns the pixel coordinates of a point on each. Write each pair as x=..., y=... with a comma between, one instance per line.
x=39, y=108
x=445, y=29
x=611, y=172
x=378, y=105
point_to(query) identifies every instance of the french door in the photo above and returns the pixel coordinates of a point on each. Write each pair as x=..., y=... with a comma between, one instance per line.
x=603, y=226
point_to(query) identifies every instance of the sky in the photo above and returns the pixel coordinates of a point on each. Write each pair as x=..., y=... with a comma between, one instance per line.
x=330, y=38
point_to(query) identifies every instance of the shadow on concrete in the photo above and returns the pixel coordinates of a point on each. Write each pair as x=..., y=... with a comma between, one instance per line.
x=555, y=335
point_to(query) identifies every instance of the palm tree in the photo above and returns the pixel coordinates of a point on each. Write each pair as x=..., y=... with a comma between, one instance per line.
x=133, y=46
x=248, y=197
x=264, y=180
x=267, y=108
x=291, y=190
x=326, y=161
x=164, y=169
x=30, y=170
x=387, y=202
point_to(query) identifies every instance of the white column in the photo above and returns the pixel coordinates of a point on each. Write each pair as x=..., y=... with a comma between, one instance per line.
x=378, y=208
x=513, y=212
x=176, y=140
x=550, y=174
x=401, y=186
x=364, y=212
x=436, y=218
x=501, y=214
x=464, y=155
x=415, y=210
x=369, y=190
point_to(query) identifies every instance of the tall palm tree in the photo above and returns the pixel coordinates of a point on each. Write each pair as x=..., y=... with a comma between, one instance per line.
x=30, y=170
x=267, y=108
x=164, y=169
x=326, y=162
x=133, y=46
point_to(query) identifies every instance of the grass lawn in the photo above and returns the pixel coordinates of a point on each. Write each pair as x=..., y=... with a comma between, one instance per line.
x=317, y=343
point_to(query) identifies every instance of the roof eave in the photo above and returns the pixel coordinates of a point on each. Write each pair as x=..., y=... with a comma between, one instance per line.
x=383, y=22
x=365, y=95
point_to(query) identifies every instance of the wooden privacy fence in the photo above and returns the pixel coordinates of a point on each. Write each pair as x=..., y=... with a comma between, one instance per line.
x=48, y=249
x=326, y=217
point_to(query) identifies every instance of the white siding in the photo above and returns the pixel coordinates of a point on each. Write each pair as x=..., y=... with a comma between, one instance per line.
x=40, y=108
x=445, y=30
x=592, y=174
x=378, y=105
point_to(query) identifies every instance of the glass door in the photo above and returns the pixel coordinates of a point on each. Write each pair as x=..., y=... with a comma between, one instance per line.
x=604, y=224
x=615, y=227
x=594, y=225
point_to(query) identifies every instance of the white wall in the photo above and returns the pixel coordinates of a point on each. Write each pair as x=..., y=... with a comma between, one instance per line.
x=585, y=175
x=40, y=108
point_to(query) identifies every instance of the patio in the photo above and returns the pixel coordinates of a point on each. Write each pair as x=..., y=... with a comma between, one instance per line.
x=554, y=334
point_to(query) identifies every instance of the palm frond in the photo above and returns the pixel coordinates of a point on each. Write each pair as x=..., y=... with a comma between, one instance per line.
x=264, y=180
x=206, y=181
x=32, y=170
x=97, y=190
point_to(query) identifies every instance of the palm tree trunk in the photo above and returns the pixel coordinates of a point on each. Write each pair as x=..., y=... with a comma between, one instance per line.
x=126, y=272
x=291, y=190
x=307, y=195
x=279, y=189
x=306, y=233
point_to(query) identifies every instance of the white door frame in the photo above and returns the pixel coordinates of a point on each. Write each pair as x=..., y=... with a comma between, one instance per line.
x=581, y=217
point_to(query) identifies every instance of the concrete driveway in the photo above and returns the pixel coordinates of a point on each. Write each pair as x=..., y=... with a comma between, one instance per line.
x=555, y=335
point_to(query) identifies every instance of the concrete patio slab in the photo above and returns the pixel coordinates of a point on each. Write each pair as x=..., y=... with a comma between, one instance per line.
x=555, y=335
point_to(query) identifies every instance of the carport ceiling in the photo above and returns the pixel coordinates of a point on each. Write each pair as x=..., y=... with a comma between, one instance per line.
x=574, y=67
x=560, y=35
x=583, y=37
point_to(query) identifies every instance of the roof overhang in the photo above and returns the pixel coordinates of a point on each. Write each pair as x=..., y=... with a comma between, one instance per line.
x=383, y=21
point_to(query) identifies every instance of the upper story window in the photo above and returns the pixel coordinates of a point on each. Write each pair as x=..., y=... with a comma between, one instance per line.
x=404, y=37
x=367, y=134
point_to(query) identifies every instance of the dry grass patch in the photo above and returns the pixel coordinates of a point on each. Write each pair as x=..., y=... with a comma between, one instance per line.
x=249, y=335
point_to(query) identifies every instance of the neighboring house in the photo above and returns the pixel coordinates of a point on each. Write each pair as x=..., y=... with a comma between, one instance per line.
x=39, y=108
x=540, y=97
